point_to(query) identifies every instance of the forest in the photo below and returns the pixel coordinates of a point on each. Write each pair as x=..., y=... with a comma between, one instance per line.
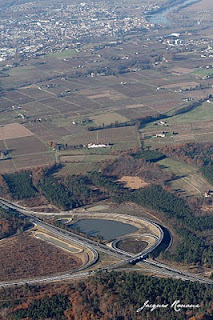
x=108, y=296
x=208, y=172
x=141, y=164
x=20, y=185
x=11, y=223
x=199, y=154
x=148, y=155
x=70, y=192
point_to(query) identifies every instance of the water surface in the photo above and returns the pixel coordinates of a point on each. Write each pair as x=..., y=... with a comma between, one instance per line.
x=108, y=229
x=161, y=16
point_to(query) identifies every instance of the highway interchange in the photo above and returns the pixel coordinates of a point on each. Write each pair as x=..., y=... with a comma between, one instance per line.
x=153, y=267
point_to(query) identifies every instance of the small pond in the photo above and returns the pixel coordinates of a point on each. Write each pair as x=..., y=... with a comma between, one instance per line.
x=108, y=229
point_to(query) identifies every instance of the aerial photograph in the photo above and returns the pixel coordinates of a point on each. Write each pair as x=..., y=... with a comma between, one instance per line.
x=106, y=160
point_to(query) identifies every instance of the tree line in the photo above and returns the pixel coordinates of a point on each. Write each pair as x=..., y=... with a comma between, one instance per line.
x=108, y=296
x=11, y=223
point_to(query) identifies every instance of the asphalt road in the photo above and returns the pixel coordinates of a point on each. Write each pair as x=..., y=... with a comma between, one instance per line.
x=152, y=266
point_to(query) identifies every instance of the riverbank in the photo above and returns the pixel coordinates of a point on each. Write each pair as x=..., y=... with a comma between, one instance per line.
x=160, y=15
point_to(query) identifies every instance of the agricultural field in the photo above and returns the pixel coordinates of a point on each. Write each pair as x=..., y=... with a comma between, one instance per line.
x=108, y=118
x=82, y=163
x=47, y=94
x=204, y=72
x=133, y=182
x=76, y=168
x=116, y=136
x=14, y=130
x=65, y=54
x=189, y=181
x=193, y=126
x=24, y=149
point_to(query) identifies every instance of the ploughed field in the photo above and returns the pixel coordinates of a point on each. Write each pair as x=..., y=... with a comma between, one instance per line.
x=25, y=257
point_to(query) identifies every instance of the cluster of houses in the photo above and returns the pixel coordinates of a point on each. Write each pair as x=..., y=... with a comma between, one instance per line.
x=58, y=25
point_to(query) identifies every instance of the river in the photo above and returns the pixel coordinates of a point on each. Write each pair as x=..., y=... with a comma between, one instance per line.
x=160, y=17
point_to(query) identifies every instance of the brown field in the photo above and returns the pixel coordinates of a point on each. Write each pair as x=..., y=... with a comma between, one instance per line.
x=25, y=145
x=2, y=145
x=133, y=182
x=14, y=130
x=24, y=257
x=182, y=70
x=70, y=158
x=6, y=166
x=34, y=160
x=26, y=150
x=38, y=109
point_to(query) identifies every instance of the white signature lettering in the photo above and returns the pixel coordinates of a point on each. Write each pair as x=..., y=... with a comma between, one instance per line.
x=176, y=305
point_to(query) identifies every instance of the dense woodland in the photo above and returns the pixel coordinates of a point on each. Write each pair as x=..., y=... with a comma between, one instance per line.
x=70, y=192
x=11, y=223
x=20, y=185
x=148, y=155
x=199, y=154
x=139, y=164
x=193, y=248
x=208, y=172
x=107, y=296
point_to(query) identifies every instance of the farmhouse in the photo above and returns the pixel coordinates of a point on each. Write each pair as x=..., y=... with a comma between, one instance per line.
x=163, y=123
x=208, y=194
x=100, y=145
x=160, y=135
x=4, y=155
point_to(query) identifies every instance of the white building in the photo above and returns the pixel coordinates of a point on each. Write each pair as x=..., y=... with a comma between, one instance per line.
x=93, y=145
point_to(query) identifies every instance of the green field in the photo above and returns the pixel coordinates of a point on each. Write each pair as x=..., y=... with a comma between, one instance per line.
x=203, y=72
x=189, y=180
x=81, y=163
x=20, y=71
x=108, y=118
x=188, y=127
x=177, y=167
x=201, y=113
x=67, y=53
x=76, y=168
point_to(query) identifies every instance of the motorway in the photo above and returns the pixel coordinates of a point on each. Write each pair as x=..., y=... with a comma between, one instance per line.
x=151, y=266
